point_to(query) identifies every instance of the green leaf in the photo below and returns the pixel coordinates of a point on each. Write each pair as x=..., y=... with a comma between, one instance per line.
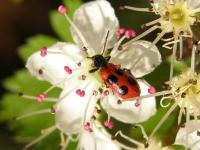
x=59, y=22
x=33, y=44
x=13, y=106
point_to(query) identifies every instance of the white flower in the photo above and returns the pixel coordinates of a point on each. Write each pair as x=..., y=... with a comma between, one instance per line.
x=189, y=136
x=154, y=144
x=184, y=91
x=96, y=140
x=176, y=17
x=67, y=66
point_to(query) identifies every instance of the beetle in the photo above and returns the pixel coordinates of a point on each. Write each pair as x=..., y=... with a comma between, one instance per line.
x=121, y=81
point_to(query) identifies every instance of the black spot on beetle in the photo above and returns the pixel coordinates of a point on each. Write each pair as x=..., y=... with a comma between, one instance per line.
x=123, y=90
x=132, y=80
x=112, y=79
x=119, y=72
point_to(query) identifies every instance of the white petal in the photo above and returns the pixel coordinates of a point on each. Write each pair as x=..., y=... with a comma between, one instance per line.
x=127, y=112
x=193, y=138
x=138, y=58
x=52, y=65
x=193, y=4
x=70, y=109
x=94, y=19
x=96, y=140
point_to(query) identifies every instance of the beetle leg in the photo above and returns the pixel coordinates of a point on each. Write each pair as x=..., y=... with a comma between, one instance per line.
x=108, y=58
x=93, y=70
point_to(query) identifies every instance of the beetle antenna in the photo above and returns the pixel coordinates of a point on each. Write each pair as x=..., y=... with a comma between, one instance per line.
x=105, y=43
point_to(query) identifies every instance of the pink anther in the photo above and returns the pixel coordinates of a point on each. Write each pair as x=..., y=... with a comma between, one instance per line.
x=130, y=33
x=80, y=92
x=137, y=104
x=106, y=93
x=117, y=34
x=41, y=97
x=108, y=124
x=87, y=127
x=62, y=9
x=151, y=90
x=95, y=93
x=43, y=52
x=68, y=69
x=122, y=30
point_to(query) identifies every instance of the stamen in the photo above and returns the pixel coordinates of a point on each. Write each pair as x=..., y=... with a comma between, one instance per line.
x=41, y=97
x=152, y=22
x=83, y=40
x=173, y=58
x=45, y=133
x=193, y=59
x=108, y=124
x=105, y=43
x=136, y=9
x=106, y=93
x=43, y=52
x=169, y=43
x=181, y=46
x=119, y=101
x=95, y=93
x=163, y=119
x=158, y=38
x=128, y=138
x=62, y=9
x=62, y=139
x=151, y=90
x=53, y=110
x=120, y=32
x=44, y=111
x=141, y=35
x=34, y=98
x=116, y=46
x=87, y=127
x=67, y=141
x=74, y=139
x=143, y=131
x=150, y=95
x=186, y=126
x=137, y=104
x=167, y=40
x=74, y=89
x=86, y=109
x=79, y=64
x=181, y=112
x=198, y=133
x=130, y=33
x=162, y=101
x=68, y=69
x=83, y=77
x=80, y=92
x=91, y=99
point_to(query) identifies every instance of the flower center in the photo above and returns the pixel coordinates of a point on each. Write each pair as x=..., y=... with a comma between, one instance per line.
x=86, y=66
x=178, y=16
x=187, y=88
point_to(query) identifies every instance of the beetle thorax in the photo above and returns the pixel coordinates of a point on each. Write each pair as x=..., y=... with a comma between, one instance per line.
x=99, y=61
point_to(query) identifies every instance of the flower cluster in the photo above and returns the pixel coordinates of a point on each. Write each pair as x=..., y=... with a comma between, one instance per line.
x=101, y=69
